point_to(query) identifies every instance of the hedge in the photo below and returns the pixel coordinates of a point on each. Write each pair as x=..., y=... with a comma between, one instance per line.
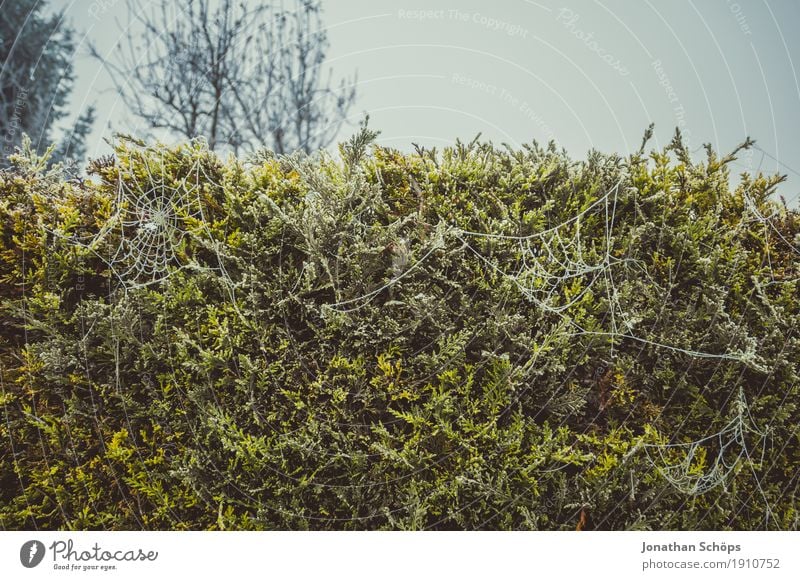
x=475, y=338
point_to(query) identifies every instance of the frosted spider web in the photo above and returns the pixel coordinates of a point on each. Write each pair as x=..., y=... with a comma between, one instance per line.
x=689, y=475
x=151, y=217
x=551, y=260
x=556, y=256
x=696, y=467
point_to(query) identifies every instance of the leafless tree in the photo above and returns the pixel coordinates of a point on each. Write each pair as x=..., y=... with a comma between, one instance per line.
x=242, y=76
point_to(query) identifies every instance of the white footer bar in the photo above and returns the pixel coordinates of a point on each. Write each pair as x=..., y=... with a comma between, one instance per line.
x=401, y=555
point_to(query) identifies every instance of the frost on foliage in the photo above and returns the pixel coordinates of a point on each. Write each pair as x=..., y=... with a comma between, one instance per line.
x=150, y=220
x=475, y=338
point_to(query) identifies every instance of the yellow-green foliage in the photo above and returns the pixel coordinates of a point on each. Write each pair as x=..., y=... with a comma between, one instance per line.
x=383, y=342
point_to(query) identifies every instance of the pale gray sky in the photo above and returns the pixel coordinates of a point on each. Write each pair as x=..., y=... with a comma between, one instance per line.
x=587, y=73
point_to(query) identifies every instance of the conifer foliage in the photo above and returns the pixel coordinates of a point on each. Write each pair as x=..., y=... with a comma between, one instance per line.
x=474, y=338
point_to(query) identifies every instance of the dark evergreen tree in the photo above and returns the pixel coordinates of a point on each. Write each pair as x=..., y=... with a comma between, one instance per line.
x=36, y=78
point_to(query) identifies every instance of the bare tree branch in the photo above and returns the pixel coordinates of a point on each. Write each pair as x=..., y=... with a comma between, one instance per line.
x=242, y=77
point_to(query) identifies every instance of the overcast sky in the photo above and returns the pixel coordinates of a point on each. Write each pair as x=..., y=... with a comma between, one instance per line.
x=586, y=73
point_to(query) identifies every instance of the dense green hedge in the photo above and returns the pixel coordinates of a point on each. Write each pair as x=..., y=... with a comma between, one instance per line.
x=477, y=338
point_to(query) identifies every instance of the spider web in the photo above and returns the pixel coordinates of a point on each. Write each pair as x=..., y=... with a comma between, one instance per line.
x=688, y=474
x=554, y=261
x=151, y=217
x=696, y=467
x=550, y=260
x=557, y=256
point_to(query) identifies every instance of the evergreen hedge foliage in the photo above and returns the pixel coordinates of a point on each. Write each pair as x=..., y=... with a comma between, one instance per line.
x=477, y=338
